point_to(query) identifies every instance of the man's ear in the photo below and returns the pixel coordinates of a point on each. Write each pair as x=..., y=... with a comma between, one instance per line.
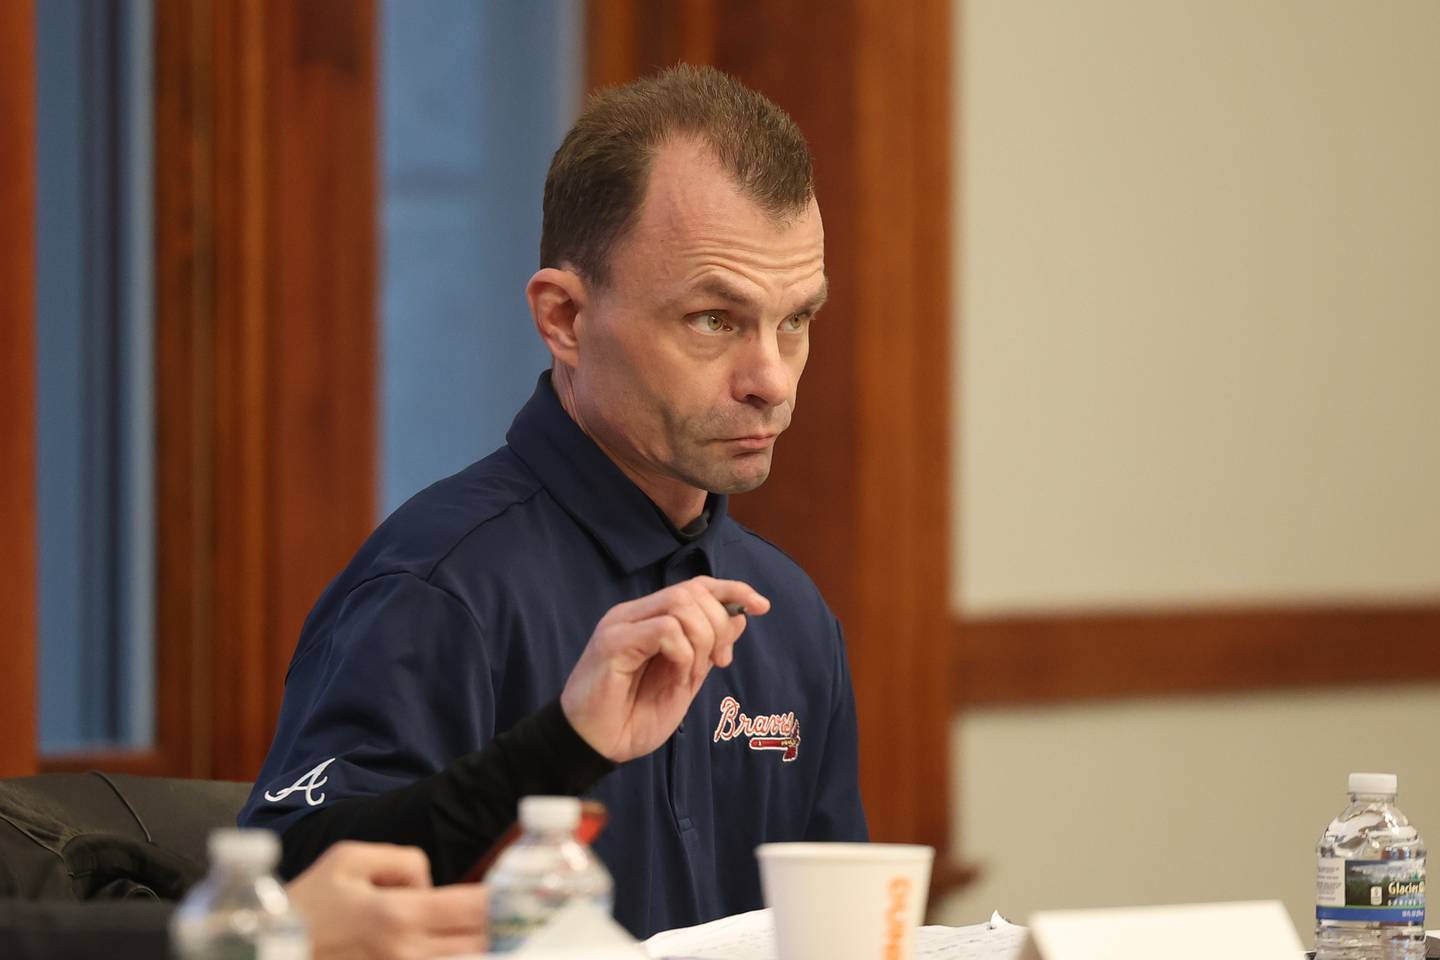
x=557, y=298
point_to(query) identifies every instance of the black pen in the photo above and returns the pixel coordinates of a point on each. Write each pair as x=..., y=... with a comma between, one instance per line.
x=734, y=609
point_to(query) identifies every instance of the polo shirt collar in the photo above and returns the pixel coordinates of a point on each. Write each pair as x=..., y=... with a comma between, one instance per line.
x=590, y=487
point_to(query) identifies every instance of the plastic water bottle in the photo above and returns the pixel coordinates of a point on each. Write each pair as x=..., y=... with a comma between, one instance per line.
x=239, y=911
x=542, y=872
x=1370, y=883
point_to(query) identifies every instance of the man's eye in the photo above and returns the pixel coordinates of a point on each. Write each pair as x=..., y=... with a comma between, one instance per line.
x=709, y=323
x=795, y=322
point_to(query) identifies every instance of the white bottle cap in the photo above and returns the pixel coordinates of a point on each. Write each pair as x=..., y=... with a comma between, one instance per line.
x=1373, y=783
x=246, y=849
x=549, y=814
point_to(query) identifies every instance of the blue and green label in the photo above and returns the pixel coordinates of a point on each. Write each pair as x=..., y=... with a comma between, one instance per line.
x=1371, y=891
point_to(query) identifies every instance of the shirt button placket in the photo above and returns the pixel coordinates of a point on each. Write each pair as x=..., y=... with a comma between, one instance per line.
x=684, y=565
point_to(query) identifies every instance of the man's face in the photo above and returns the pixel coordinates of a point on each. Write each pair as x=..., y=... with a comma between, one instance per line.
x=690, y=358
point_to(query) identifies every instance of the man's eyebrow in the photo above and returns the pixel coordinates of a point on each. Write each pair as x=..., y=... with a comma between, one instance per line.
x=817, y=301
x=720, y=290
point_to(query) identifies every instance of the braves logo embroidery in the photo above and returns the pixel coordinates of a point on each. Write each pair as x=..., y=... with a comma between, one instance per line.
x=774, y=731
x=311, y=781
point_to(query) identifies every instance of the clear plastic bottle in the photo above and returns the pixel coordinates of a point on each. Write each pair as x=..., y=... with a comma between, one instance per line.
x=543, y=871
x=1370, y=882
x=239, y=911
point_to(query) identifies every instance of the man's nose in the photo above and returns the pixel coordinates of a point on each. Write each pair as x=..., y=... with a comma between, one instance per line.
x=762, y=377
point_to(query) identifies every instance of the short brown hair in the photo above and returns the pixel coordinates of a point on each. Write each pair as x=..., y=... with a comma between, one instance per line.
x=598, y=177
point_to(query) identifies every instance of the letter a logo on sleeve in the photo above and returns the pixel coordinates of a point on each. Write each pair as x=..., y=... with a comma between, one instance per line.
x=310, y=782
x=772, y=731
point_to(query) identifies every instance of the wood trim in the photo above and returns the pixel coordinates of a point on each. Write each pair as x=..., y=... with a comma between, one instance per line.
x=19, y=599
x=184, y=256
x=141, y=763
x=1046, y=659
x=612, y=42
x=323, y=244
x=267, y=169
x=295, y=167
x=901, y=381
x=859, y=495
x=244, y=55
x=628, y=38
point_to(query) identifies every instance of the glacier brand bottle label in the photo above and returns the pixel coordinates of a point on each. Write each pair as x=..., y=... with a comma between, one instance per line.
x=1383, y=891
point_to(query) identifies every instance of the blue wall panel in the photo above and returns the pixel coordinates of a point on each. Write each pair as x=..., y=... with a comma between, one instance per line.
x=94, y=397
x=475, y=99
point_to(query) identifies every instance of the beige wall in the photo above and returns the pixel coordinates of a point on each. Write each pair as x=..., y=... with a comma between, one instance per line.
x=1198, y=362
x=1199, y=277
x=1176, y=802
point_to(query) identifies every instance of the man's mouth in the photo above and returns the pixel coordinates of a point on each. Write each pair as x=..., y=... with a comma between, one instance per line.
x=752, y=441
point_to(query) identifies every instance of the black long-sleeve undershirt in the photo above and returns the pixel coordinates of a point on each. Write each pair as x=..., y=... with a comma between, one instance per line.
x=457, y=814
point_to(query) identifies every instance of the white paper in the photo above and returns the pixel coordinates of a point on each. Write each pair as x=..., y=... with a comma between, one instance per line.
x=743, y=936
x=1236, y=931
x=751, y=936
x=580, y=929
x=997, y=940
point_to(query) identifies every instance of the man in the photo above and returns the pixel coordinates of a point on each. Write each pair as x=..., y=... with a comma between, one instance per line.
x=682, y=264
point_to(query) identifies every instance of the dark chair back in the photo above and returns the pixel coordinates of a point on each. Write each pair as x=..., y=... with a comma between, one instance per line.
x=98, y=836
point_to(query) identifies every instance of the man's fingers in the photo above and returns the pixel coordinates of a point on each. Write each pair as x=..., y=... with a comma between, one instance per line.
x=458, y=909
x=705, y=626
x=458, y=945
x=724, y=653
x=383, y=864
x=687, y=624
x=651, y=605
x=724, y=626
x=663, y=636
x=735, y=592
x=665, y=601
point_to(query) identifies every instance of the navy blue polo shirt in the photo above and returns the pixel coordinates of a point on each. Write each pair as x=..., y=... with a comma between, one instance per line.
x=465, y=611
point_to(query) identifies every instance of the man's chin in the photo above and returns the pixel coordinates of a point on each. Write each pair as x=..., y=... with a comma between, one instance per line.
x=739, y=482
x=732, y=475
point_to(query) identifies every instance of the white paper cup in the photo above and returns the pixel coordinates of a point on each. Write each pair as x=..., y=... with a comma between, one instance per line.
x=845, y=901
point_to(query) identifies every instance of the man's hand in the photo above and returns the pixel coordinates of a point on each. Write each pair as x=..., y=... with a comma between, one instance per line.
x=374, y=901
x=646, y=661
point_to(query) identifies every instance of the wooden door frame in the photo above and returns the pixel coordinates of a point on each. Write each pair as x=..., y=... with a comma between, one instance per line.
x=19, y=598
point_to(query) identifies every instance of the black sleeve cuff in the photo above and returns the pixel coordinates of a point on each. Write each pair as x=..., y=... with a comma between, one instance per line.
x=457, y=814
x=543, y=754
